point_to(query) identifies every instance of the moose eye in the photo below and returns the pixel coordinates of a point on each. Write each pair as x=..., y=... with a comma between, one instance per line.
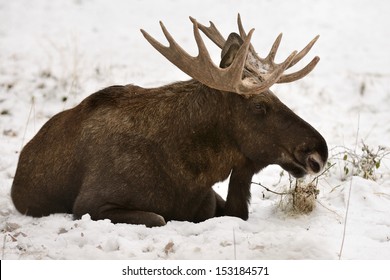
x=260, y=108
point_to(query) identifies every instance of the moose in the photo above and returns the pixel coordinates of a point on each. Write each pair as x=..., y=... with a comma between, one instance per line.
x=151, y=155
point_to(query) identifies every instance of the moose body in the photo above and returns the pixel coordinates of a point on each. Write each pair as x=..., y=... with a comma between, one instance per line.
x=147, y=156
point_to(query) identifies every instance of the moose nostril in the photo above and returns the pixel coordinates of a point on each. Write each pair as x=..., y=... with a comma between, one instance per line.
x=314, y=163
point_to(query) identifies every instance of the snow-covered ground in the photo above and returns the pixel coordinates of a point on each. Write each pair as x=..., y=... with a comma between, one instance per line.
x=55, y=53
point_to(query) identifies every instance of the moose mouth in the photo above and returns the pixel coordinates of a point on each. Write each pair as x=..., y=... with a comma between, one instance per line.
x=299, y=167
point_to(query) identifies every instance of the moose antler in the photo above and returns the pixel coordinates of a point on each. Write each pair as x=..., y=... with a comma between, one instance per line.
x=266, y=64
x=203, y=69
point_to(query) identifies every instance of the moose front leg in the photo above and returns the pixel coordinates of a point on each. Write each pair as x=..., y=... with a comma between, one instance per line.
x=239, y=191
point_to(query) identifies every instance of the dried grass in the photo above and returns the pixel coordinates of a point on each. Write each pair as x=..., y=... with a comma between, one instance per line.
x=300, y=200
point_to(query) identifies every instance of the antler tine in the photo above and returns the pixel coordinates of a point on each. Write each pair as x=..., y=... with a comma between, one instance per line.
x=304, y=51
x=305, y=70
x=299, y=74
x=160, y=47
x=272, y=53
x=240, y=27
x=203, y=52
x=174, y=53
x=212, y=32
x=243, y=36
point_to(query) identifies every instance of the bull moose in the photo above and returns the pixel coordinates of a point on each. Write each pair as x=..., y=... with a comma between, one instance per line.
x=150, y=155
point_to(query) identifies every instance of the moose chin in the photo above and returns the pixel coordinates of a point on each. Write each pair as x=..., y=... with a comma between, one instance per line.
x=150, y=155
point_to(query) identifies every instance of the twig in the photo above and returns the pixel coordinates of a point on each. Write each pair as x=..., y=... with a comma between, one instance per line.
x=346, y=219
x=267, y=189
x=234, y=245
x=349, y=196
x=327, y=208
x=322, y=173
x=32, y=111
x=381, y=193
x=4, y=240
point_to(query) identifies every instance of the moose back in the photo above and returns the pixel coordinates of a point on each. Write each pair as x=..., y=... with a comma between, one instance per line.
x=147, y=156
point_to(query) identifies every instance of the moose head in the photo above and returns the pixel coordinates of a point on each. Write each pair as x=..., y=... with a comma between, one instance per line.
x=290, y=141
x=147, y=156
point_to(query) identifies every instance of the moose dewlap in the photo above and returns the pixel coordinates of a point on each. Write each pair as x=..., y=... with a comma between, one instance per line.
x=147, y=156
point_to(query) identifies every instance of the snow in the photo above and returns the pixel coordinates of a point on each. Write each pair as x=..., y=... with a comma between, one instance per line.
x=55, y=53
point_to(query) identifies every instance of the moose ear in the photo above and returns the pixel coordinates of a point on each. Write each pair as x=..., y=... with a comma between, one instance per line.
x=230, y=49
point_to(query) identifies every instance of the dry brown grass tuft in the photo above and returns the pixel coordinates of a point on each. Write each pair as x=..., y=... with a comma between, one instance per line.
x=304, y=198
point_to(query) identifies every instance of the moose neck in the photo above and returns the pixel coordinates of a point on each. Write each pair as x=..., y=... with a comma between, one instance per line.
x=204, y=108
x=203, y=118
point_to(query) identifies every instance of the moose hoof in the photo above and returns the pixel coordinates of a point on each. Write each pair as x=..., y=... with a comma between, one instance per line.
x=156, y=221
